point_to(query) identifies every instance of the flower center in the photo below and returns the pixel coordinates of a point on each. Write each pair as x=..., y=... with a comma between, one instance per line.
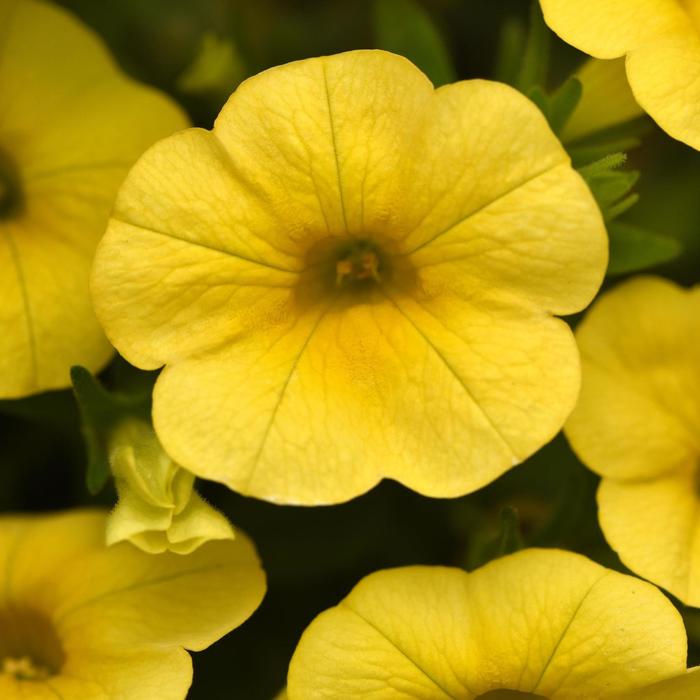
x=360, y=264
x=30, y=649
x=11, y=197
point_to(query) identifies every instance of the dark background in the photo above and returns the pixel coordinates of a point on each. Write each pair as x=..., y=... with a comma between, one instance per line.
x=313, y=556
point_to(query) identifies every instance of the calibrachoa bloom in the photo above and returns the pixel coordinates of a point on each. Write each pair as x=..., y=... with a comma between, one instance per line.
x=637, y=424
x=158, y=508
x=351, y=277
x=71, y=124
x=536, y=624
x=661, y=42
x=81, y=621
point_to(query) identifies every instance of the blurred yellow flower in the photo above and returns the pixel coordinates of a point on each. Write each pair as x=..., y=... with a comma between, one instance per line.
x=536, y=624
x=81, y=621
x=351, y=277
x=637, y=424
x=661, y=42
x=71, y=124
x=158, y=508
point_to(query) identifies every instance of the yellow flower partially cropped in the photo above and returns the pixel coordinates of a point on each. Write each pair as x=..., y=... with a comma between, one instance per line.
x=71, y=125
x=82, y=621
x=158, y=508
x=351, y=277
x=661, y=42
x=637, y=424
x=537, y=624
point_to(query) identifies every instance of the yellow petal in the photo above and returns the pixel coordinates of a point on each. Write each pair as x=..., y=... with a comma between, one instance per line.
x=391, y=389
x=606, y=100
x=681, y=687
x=661, y=41
x=665, y=80
x=610, y=28
x=541, y=621
x=531, y=228
x=71, y=155
x=640, y=397
x=654, y=526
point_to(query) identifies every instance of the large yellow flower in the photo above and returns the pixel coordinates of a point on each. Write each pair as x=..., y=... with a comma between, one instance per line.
x=352, y=277
x=81, y=621
x=71, y=124
x=536, y=624
x=637, y=424
x=661, y=42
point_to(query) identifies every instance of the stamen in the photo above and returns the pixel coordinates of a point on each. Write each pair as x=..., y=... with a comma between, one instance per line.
x=24, y=669
x=359, y=264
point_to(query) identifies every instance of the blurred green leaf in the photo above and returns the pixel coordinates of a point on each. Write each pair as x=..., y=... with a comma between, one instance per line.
x=534, y=66
x=511, y=539
x=404, y=27
x=633, y=249
x=216, y=69
x=101, y=411
x=511, y=46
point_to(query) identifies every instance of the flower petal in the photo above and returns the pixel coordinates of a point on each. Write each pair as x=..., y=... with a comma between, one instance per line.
x=677, y=688
x=133, y=598
x=443, y=402
x=609, y=28
x=665, y=79
x=72, y=155
x=540, y=621
x=640, y=394
x=654, y=526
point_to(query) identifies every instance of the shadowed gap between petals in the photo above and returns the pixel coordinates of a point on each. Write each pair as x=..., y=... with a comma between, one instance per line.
x=345, y=606
x=456, y=375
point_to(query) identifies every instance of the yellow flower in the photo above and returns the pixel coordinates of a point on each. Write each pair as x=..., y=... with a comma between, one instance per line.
x=80, y=621
x=637, y=424
x=536, y=624
x=661, y=42
x=71, y=124
x=158, y=508
x=352, y=277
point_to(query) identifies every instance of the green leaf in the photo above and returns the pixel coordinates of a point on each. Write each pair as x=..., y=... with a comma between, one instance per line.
x=216, y=70
x=101, y=411
x=404, y=27
x=511, y=46
x=535, y=60
x=563, y=103
x=633, y=249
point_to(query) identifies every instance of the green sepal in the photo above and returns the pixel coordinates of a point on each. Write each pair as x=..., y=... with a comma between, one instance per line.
x=101, y=411
x=633, y=249
x=511, y=46
x=563, y=102
x=404, y=27
x=611, y=187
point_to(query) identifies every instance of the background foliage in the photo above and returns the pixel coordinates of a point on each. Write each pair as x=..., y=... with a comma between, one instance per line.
x=197, y=52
